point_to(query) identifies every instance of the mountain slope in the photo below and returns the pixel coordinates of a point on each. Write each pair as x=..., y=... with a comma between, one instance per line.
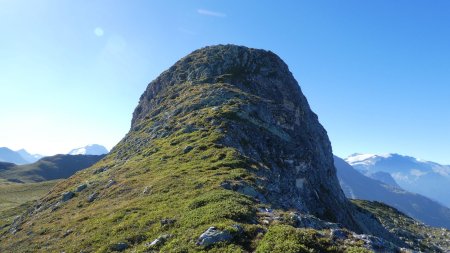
x=358, y=186
x=15, y=198
x=6, y=166
x=224, y=154
x=420, y=237
x=426, y=178
x=7, y=155
x=384, y=177
x=92, y=149
x=49, y=168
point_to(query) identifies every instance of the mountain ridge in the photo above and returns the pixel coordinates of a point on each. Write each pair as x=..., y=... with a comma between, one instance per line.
x=8, y=155
x=224, y=155
x=18, y=157
x=415, y=175
x=48, y=168
x=358, y=186
x=91, y=149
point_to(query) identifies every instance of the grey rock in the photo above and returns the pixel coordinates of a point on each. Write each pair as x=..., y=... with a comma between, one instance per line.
x=146, y=190
x=68, y=232
x=239, y=229
x=189, y=129
x=55, y=206
x=110, y=183
x=227, y=185
x=15, y=226
x=121, y=246
x=67, y=196
x=338, y=234
x=302, y=220
x=249, y=191
x=92, y=197
x=244, y=189
x=377, y=244
x=167, y=222
x=158, y=241
x=100, y=170
x=187, y=149
x=81, y=187
x=212, y=235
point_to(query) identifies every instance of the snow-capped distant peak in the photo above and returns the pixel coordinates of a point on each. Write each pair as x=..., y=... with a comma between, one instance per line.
x=365, y=159
x=359, y=157
x=78, y=151
x=92, y=149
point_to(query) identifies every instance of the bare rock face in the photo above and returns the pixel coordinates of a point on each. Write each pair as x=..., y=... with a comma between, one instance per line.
x=269, y=122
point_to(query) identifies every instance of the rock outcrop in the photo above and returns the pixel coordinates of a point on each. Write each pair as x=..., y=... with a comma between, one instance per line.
x=269, y=122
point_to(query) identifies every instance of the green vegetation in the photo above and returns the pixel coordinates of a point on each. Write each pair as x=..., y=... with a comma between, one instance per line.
x=287, y=239
x=416, y=234
x=15, y=198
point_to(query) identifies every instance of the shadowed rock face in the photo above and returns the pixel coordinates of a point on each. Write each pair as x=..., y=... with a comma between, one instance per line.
x=270, y=123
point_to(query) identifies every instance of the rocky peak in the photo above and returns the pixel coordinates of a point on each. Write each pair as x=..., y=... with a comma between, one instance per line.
x=269, y=122
x=240, y=66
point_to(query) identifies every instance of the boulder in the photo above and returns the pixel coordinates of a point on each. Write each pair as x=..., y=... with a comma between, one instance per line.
x=187, y=149
x=121, y=246
x=67, y=196
x=213, y=235
x=81, y=187
x=158, y=241
x=338, y=234
x=110, y=183
x=92, y=197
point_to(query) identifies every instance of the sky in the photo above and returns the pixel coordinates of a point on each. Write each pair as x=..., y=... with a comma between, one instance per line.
x=377, y=73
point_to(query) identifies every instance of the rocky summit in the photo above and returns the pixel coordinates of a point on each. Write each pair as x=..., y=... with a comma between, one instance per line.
x=250, y=97
x=224, y=155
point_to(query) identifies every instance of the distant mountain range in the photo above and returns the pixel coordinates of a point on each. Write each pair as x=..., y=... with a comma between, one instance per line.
x=427, y=178
x=21, y=157
x=30, y=158
x=92, y=149
x=47, y=168
x=17, y=157
x=358, y=186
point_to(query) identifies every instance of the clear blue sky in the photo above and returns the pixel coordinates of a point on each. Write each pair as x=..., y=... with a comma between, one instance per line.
x=376, y=72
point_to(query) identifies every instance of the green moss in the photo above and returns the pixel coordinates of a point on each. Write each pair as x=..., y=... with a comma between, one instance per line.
x=285, y=238
x=357, y=250
x=219, y=206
